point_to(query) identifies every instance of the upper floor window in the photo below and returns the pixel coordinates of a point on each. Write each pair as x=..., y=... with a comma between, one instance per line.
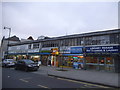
x=115, y=38
x=35, y=45
x=50, y=45
x=29, y=46
x=97, y=40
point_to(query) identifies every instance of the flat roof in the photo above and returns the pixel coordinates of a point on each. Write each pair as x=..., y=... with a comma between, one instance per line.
x=98, y=33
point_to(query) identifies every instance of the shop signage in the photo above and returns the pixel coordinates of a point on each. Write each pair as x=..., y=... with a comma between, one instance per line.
x=76, y=50
x=11, y=52
x=73, y=55
x=33, y=50
x=47, y=50
x=55, y=51
x=103, y=49
x=65, y=49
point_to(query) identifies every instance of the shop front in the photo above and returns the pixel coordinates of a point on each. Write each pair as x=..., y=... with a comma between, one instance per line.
x=17, y=56
x=101, y=63
x=102, y=58
x=45, y=54
x=45, y=58
x=49, y=56
x=35, y=57
x=55, y=57
x=72, y=60
x=72, y=57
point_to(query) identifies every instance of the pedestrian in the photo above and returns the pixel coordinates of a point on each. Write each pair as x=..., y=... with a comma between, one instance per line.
x=39, y=63
x=79, y=66
x=49, y=63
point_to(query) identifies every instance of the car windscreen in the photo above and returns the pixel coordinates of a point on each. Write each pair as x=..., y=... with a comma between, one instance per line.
x=10, y=60
x=29, y=61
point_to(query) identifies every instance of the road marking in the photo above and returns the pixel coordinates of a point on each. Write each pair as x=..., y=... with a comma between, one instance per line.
x=84, y=83
x=11, y=68
x=82, y=87
x=42, y=86
x=50, y=76
x=89, y=86
x=34, y=72
x=27, y=78
x=23, y=80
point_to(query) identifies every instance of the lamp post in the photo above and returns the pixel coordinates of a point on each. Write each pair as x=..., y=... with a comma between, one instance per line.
x=8, y=38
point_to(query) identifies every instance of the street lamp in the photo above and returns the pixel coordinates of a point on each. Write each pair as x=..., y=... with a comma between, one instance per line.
x=8, y=37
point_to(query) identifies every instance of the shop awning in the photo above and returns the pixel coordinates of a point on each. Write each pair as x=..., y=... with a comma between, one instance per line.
x=72, y=54
x=36, y=53
x=17, y=53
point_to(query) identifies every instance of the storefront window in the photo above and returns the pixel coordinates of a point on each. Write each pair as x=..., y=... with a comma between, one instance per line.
x=109, y=60
x=35, y=58
x=109, y=64
x=29, y=46
x=91, y=59
x=35, y=45
x=91, y=63
x=101, y=60
x=44, y=59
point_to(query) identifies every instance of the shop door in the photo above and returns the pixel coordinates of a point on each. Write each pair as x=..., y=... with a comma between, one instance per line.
x=109, y=64
x=102, y=63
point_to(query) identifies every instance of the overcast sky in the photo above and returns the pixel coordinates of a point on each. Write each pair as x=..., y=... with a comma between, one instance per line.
x=55, y=19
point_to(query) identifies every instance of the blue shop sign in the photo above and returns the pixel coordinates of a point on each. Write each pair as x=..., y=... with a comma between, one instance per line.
x=103, y=49
x=76, y=50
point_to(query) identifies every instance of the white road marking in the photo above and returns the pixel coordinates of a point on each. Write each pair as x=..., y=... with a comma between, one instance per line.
x=23, y=80
x=84, y=83
x=27, y=78
x=42, y=86
x=50, y=76
x=11, y=68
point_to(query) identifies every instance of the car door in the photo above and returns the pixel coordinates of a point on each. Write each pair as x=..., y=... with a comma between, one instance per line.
x=23, y=65
x=4, y=62
x=18, y=64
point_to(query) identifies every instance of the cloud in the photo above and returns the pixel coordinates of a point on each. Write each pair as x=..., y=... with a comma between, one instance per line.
x=55, y=19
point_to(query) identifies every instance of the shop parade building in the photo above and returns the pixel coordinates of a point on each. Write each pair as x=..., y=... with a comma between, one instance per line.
x=88, y=51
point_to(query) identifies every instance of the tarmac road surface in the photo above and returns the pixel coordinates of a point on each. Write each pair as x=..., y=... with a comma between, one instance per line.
x=20, y=79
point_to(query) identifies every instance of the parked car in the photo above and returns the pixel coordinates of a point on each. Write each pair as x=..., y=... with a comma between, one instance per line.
x=26, y=65
x=0, y=63
x=8, y=62
x=39, y=63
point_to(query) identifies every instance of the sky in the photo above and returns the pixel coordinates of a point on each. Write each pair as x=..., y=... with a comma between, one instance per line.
x=55, y=19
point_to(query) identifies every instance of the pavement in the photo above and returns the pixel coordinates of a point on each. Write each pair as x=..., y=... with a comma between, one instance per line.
x=95, y=77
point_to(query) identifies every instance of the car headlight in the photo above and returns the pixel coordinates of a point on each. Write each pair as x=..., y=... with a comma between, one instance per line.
x=29, y=65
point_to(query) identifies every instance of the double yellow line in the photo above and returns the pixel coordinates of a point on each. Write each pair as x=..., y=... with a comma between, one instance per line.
x=84, y=83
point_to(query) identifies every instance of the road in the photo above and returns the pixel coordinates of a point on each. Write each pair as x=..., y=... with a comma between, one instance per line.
x=20, y=79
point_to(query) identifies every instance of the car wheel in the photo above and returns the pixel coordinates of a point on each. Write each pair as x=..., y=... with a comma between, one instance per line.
x=26, y=69
x=16, y=68
x=6, y=66
x=36, y=70
x=3, y=65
